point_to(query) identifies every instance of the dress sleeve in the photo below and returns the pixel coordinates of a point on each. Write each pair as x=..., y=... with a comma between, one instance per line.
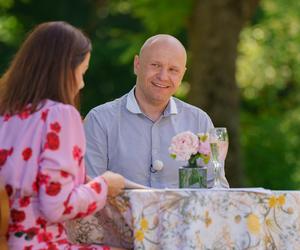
x=96, y=157
x=62, y=194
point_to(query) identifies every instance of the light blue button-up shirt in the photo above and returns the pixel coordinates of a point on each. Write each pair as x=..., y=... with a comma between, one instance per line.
x=122, y=139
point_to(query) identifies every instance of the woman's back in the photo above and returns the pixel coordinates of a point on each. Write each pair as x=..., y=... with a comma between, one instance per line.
x=24, y=138
x=20, y=147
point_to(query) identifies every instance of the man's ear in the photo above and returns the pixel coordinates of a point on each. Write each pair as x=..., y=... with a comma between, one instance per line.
x=136, y=64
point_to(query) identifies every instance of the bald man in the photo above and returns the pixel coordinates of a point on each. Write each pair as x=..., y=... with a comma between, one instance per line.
x=132, y=134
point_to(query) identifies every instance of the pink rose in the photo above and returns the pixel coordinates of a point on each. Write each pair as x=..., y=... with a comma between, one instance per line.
x=204, y=146
x=184, y=145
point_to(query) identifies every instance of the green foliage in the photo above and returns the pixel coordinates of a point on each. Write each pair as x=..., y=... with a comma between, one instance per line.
x=153, y=16
x=271, y=148
x=167, y=16
x=157, y=16
x=11, y=30
x=108, y=77
x=6, y=4
x=269, y=78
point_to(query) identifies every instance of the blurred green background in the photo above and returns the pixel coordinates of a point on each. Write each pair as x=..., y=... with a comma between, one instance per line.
x=243, y=68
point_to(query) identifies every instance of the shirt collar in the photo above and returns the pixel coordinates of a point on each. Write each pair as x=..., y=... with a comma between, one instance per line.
x=171, y=109
x=133, y=106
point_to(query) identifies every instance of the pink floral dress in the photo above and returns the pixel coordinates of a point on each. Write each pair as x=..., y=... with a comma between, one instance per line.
x=41, y=163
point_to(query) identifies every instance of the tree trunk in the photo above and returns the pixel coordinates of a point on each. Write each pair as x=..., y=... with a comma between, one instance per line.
x=213, y=38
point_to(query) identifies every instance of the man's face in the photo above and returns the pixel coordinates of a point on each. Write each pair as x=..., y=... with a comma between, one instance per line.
x=159, y=70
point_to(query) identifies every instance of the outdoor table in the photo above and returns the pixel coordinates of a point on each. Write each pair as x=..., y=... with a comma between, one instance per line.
x=195, y=219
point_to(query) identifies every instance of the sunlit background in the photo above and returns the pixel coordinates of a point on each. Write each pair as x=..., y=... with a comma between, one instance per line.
x=267, y=73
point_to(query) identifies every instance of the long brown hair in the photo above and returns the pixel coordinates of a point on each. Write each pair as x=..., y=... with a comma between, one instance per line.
x=43, y=68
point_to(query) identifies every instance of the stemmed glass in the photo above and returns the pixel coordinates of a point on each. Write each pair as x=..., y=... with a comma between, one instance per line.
x=218, y=139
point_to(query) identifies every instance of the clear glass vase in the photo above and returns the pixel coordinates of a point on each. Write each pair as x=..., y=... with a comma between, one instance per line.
x=193, y=177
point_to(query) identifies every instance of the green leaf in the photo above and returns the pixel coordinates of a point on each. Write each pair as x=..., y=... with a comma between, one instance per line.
x=205, y=158
x=193, y=160
x=203, y=138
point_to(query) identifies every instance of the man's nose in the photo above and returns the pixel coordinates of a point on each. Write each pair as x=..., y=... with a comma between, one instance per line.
x=163, y=74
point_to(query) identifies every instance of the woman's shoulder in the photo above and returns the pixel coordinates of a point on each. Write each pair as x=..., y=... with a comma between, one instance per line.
x=55, y=108
x=58, y=106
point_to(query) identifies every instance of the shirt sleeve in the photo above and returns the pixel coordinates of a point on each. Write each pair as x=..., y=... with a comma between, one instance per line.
x=62, y=194
x=96, y=157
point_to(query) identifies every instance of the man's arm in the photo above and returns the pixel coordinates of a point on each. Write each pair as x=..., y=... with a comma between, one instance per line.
x=96, y=158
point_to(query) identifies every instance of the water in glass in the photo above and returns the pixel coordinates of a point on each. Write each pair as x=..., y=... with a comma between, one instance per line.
x=218, y=138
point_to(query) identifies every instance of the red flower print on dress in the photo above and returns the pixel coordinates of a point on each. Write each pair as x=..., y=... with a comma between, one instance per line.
x=25, y=201
x=43, y=178
x=64, y=174
x=28, y=248
x=77, y=154
x=80, y=160
x=17, y=215
x=53, y=188
x=60, y=229
x=79, y=215
x=97, y=187
x=4, y=153
x=105, y=248
x=15, y=228
x=42, y=222
x=35, y=186
x=27, y=152
x=25, y=113
x=44, y=115
x=62, y=241
x=9, y=190
x=68, y=209
x=92, y=207
x=52, y=141
x=51, y=246
x=55, y=126
x=44, y=237
x=31, y=232
x=6, y=117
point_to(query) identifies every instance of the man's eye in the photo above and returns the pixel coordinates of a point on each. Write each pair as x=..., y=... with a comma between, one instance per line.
x=156, y=65
x=174, y=70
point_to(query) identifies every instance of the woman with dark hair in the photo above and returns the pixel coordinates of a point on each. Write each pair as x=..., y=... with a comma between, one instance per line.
x=42, y=142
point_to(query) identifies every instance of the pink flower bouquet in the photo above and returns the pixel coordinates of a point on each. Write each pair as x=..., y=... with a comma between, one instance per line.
x=186, y=146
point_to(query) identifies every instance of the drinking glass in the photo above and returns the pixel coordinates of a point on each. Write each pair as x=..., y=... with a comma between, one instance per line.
x=218, y=139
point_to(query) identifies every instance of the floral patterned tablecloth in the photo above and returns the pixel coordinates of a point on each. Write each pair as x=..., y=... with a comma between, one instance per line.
x=195, y=219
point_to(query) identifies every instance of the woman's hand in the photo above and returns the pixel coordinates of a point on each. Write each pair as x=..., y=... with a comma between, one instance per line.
x=115, y=182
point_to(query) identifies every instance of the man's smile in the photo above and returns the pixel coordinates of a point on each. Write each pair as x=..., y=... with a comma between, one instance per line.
x=159, y=85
